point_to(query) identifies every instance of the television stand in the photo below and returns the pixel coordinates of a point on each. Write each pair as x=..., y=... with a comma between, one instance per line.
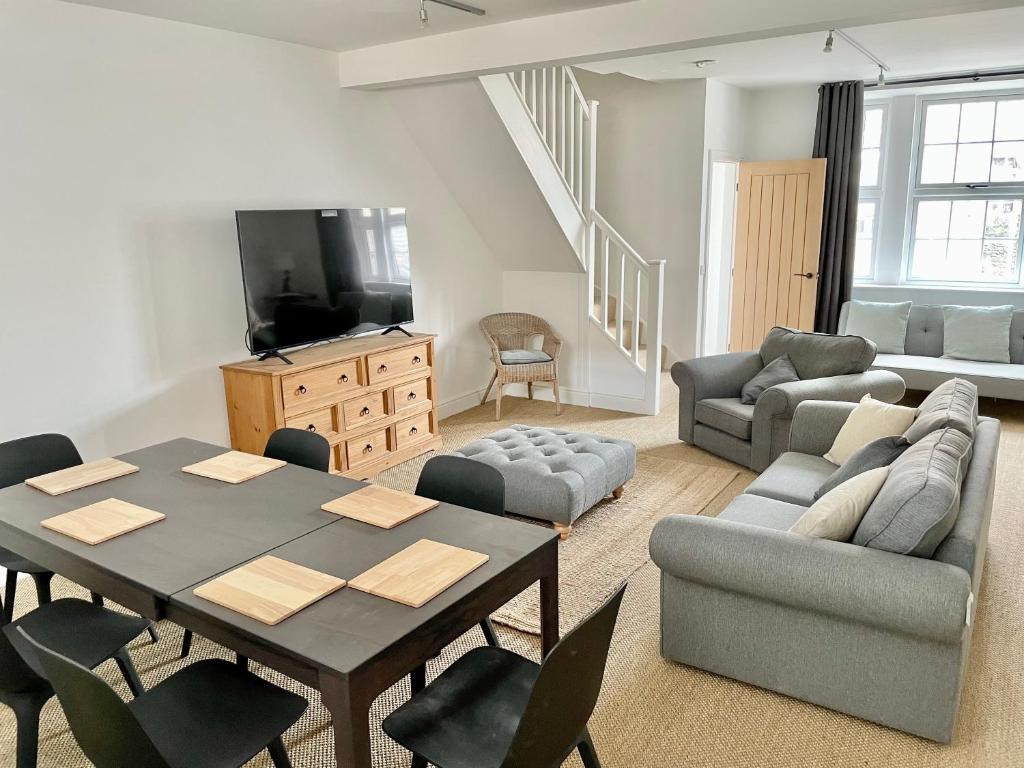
x=398, y=328
x=274, y=353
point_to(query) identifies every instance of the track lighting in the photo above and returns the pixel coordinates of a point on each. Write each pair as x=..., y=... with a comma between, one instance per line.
x=829, y=41
x=836, y=32
x=456, y=4
x=424, y=16
x=881, y=75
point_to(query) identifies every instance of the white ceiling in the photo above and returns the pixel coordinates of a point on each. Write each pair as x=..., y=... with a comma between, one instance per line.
x=339, y=25
x=966, y=42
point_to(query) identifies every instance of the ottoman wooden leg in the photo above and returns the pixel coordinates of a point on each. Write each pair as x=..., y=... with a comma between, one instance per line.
x=563, y=530
x=617, y=493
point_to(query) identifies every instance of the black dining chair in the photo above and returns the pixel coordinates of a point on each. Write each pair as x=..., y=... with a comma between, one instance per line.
x=77, y=629
x=464, y=483
x=296, y=446
x=20, y=460
x=211, y=714
x=301, y=447
x=494, y=709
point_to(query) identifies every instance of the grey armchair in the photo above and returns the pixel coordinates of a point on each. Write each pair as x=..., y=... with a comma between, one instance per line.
x=712, y=417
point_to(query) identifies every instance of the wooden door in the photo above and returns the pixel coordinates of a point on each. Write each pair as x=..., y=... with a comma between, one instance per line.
x=778, y=236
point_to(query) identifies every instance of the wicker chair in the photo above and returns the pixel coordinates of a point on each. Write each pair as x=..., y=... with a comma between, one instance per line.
x=509, y=335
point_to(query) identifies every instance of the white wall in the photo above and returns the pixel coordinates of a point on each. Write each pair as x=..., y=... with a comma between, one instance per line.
x=128, y=143
x=780, y=123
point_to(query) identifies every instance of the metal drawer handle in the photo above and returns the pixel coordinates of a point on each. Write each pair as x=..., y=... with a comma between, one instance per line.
x=364, y=412
x=412, y=396
x=414, y=431
x=382, y=368
x=343, y=379
x=301, y=390
x=417, y=360
x=311, y=428
x=368, y=448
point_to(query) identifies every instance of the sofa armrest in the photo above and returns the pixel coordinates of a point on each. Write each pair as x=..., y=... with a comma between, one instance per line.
x=816, y=423
x=781, y=400
x=712, y=376
x=914, y=596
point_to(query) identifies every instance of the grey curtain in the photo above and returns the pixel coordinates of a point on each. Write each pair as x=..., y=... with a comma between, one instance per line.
x=837, y=138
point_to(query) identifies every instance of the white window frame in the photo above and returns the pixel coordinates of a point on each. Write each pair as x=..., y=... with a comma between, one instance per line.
x=877, y=193
x=993, y=190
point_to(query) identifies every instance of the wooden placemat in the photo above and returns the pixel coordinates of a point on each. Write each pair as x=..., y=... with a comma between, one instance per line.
x=234, y=467
x=73, y=478
x=269, y=589
x=102, y=521
x=380, y=506
x=419, y=573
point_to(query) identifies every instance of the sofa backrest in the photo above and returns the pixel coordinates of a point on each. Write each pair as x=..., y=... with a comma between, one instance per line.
x=817, y=355
x=924, y=331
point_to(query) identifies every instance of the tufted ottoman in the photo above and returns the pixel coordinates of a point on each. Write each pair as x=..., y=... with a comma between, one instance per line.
x=554, y=474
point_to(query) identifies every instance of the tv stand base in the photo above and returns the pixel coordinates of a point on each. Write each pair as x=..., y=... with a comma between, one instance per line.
x=275, y=353
x=398, y=328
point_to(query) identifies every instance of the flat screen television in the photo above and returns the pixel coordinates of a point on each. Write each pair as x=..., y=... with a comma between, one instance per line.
x=313, y=275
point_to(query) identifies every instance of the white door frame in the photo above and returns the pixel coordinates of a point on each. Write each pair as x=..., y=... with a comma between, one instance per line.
x=714, y=156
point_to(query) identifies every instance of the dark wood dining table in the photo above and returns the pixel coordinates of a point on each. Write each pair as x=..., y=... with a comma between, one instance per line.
x=351, y=646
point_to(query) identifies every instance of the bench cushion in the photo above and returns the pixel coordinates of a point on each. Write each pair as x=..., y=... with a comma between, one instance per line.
x=727, y=414
x=926, y=373
x=793, y=478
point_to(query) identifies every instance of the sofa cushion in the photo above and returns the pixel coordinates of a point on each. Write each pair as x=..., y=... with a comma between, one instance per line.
x=816, y=355
x=727, y=414
x=793, y=478
x=760, y=510
x=778, y=371
x=882, y=322
x=836, y=515
x=919, y=502
x=952, y=404
x=870, y=420
x=878, y=453
x=977, y=333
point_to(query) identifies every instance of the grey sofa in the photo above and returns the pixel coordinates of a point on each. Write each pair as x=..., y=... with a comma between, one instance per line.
x=712, y=417
x=874, y=634
x=923, y=366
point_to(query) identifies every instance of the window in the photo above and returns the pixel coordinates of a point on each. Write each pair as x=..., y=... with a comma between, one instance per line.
x=871, y=168
x=968, y=191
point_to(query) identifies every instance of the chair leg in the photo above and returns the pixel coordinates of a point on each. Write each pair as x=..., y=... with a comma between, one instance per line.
x=489, y=385
x=497, y=403
x=131, y=676
x=489, y=634
x=97, y=599
x=558, y=403
x=242, y=661
x=278, y=754
x=419, y=762
x=42, y=581
x=27, y=716
x=10, y=592
x=154, y=634
x=186, y=643
x=529, y=389
x=418, y=679
x=588, y=754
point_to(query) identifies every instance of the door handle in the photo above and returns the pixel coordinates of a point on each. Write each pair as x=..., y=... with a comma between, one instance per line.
x=808, y=275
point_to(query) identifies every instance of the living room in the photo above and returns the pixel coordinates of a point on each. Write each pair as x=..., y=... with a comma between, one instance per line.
x=554, y=196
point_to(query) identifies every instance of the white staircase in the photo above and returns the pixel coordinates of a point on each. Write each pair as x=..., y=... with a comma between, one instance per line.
x=555, y=129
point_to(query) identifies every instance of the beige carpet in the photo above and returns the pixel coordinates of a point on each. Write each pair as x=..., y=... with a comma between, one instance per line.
x=654, y=714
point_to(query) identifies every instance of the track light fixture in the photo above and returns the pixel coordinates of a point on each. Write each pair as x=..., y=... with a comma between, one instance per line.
x=881, y=75
x=459, y=6
x=424, y=16
x=830, y=41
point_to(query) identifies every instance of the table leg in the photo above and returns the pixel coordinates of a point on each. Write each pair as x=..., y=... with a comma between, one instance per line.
x=350, y=713
x=549, y=601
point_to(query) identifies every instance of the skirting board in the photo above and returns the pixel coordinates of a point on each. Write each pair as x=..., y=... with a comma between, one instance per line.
x=543, y=392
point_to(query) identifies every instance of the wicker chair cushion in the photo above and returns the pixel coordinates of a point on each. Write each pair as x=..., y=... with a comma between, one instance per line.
x=524, y=356
x=554, y=474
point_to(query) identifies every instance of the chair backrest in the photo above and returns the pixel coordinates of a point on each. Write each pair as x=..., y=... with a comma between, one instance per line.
x=104, y=726
x=15, y=674
x=565, y=694
x=301, y=447
x=36, y=455
x=513, y=330
x=463, y=482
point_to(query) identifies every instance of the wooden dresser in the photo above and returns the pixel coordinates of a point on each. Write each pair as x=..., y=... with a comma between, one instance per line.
x=373, y=397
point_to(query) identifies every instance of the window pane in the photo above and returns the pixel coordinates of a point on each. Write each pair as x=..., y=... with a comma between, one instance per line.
x=932, y=220
x=1003, y=220
x=999, y=260
x=870, y=159
x=976, y=120
x=937, y=164
x=963, y=260
x=929, y=260
x=968, y=219
x=972, y=162
x=862, y=261
x=1010, y=120
x=1007, y=161
x=942, y=123
x=873, y=128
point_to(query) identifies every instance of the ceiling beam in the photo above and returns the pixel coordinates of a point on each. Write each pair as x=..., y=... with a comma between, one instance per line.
x=626, y=29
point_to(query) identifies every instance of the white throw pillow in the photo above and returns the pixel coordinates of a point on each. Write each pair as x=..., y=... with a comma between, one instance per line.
x=837, y=514
x=870, y=420
x=883, y=323
x=977, y=333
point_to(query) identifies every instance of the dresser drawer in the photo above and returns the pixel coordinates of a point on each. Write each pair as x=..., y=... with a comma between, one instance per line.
x=337, y=458
x=363, y=410
x=411, y=395
x=397, y=362
x=318, y=387
x=367, y=448
x=412, y=430
x=321, y=422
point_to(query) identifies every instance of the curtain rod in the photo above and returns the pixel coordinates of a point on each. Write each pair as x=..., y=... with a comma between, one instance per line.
x=963, y=77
